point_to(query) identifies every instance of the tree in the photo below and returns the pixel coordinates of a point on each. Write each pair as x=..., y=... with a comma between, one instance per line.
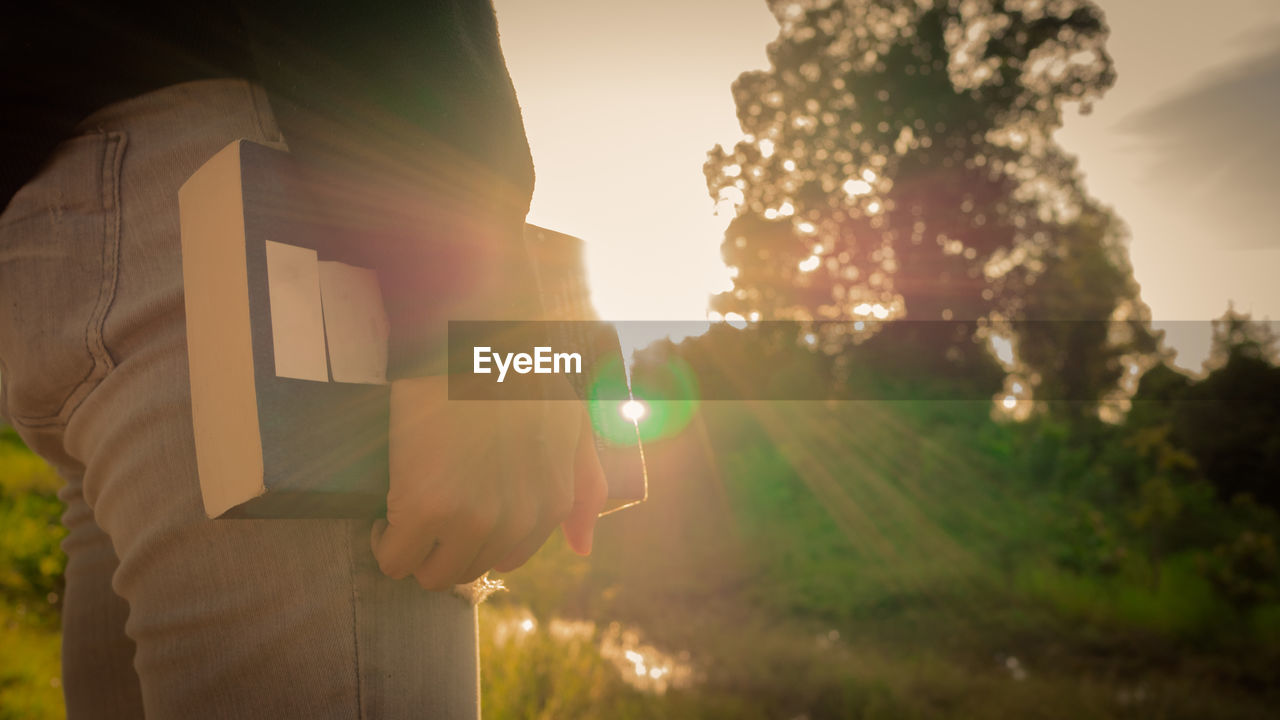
x=1081, y=326
x=1230, y=420
x=1237, y=336
x=898, y=162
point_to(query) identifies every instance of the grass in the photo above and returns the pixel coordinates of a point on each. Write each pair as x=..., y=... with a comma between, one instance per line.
x=807, y=561
x=30, y=667
x=867, y=560
x=30, y=585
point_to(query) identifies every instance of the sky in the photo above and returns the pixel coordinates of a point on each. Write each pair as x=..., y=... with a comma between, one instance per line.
x=1186, y=148
x=622, y=101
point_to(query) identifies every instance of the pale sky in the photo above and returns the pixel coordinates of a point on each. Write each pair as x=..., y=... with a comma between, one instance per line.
x=1144, y=153
x=622, y=101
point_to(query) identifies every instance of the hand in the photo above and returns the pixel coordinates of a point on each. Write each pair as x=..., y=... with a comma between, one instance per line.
x=480, y=485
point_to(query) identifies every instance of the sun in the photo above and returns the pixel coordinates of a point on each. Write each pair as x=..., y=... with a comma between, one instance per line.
x=633, y=410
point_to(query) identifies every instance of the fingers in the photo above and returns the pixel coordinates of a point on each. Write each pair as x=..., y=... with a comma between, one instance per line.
x=577, y=513
x=591, y=492
x=564, y=425
x=555, y=509
x=475, y=488
x=402, y=548
x=514, y=526
x=443, y=567
x=525, y=548
x=447, y=563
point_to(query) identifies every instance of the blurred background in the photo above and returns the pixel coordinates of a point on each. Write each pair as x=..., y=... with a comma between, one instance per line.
x=1082, y=190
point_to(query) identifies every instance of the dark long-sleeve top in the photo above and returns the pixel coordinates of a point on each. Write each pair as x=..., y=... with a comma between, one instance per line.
x=417, y=87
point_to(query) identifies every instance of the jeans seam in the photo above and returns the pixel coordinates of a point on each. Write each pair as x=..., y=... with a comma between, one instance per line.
x=111, y=246
x=110, y=164
x=355, y=617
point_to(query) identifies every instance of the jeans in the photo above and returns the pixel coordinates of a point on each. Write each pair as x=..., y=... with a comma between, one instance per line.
x=168, y=614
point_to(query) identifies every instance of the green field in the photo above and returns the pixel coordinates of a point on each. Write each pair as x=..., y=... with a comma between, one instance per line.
x=882, y=560
x=822, y=561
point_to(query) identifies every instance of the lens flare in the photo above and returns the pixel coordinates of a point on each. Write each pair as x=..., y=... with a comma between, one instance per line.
x=633, y=410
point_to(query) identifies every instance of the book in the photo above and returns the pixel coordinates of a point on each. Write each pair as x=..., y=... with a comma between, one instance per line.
x=288, y=330
x=573, y=324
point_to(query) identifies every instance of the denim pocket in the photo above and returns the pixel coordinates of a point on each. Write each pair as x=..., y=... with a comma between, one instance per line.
x=59, y=245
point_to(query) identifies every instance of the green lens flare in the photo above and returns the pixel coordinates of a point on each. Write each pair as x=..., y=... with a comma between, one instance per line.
x=604, y=399
x=673, y=385
x=673, y=381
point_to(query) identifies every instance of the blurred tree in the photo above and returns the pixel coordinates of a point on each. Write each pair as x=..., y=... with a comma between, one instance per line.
x=1081, y=324
x=1159, y=507
x=1230, y=420
x=898, y=161
x=1246, y=569
x=1159, y=391
x=1238, y=336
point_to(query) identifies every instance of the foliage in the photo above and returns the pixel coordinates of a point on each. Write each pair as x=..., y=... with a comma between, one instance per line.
x=1228, y=421
x=529, y=674
x=30, y=670
x=1238, y=335
x=948, y=595
x=898, y=161
x=31, y=564
x=1080, y=325
x=30, y=530
x=1246, y=570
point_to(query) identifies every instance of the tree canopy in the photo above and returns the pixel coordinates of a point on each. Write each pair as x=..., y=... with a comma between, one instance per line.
x=898, y=162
